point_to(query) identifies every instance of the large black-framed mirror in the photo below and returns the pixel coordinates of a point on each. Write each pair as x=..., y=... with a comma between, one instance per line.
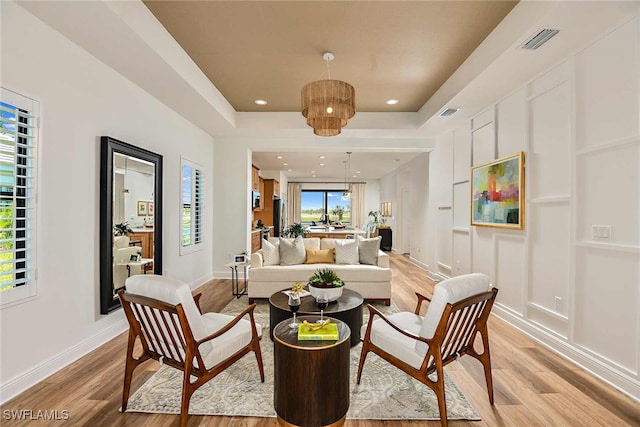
x=130, y=216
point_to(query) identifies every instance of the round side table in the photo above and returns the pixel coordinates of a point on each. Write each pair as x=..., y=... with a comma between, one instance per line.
x=347, y=308
x=311, y=378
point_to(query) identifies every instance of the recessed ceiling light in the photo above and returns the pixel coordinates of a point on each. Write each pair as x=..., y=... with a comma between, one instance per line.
x=357, y=171
x=313, y=171
x=285, y=164
x=392, y=101
x=260, y=102
x=322, y=157
x=321, y=164
x=313, y=176
x=278, y=157
x=288, y=170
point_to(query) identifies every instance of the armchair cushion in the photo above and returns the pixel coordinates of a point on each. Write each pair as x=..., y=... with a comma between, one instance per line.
x=449, y=291
x=228, y=343
x=120, y=242
x=394, y=343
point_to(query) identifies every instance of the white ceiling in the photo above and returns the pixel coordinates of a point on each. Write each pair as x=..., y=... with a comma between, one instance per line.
x=126, y=36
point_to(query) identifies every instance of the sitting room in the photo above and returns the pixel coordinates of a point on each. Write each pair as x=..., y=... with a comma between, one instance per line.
x=315, y=213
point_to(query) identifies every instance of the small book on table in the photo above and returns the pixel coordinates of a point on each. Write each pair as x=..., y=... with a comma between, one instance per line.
x=327, y=332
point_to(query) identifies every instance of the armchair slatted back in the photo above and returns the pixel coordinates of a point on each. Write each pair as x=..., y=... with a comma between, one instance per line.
x=458, y=327
x=163, y=330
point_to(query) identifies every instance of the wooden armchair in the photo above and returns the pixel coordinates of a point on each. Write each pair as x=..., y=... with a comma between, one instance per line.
x=165, y=318
x=419, y=346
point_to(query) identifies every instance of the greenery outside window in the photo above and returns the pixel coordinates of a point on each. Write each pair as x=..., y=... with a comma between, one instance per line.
x=192, y=191
x=18, y=153
x=318, y=205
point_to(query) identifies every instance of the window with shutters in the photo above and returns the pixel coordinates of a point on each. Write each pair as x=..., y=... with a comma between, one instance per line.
x=191, y=232
x=18, y=150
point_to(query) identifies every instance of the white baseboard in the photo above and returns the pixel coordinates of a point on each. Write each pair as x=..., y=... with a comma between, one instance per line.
x=610, y=375
x=420, y=264
x=33, y=376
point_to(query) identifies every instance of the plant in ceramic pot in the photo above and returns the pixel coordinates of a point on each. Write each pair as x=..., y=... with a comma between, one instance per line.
x=326, y=281
x=294, y=230
x=121, y=229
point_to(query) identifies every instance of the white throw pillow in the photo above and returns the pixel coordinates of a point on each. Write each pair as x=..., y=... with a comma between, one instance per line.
x=449, y=291
x=270, y=252
x=368, y=250
x=347, y=251
x=292, y=252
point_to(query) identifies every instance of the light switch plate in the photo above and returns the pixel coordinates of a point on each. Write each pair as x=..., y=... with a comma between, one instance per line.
x=601, y=232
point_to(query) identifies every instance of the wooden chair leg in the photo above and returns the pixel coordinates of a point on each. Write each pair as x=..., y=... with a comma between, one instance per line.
x=363, y=356
x=130, y=365
x=485, y=359
x=258, y=353
x=187, y=391
x=442, y=402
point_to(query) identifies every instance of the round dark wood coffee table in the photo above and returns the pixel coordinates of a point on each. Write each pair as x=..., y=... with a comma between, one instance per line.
x=347, y=308
x=311, y=378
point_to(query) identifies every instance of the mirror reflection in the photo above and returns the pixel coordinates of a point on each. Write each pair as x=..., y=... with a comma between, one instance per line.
x=133, y=218
x=130, y=217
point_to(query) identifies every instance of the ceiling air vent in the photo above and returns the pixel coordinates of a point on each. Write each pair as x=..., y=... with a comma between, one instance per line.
x=540, y=38
x=449, y=112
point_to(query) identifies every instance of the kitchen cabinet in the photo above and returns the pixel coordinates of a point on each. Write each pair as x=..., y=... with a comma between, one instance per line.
x=256, y=244
x=144, y=239
x=262, y=196
x=266, y=201
x=255, y=178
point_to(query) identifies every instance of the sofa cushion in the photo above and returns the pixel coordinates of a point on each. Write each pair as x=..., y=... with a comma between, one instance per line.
x=292, y=252
x=318, y=256
x=347, y=251
x=449, y=291
x=302, y=273
x=309, y=242
x=270, y=252
x=368, y=250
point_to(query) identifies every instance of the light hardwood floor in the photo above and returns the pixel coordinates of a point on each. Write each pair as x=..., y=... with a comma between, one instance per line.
x=532, y=385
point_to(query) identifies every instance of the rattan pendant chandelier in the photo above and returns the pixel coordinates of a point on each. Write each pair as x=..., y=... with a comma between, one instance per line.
x=328, y=104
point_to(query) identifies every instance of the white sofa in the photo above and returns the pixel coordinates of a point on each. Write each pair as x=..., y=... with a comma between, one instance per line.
x=373, y=282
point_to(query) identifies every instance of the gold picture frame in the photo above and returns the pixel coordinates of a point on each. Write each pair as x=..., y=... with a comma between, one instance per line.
x=143, y=208
x=385, y=209
x=497, y=193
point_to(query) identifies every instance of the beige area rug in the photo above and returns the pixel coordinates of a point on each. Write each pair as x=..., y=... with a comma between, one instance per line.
x=384, y=393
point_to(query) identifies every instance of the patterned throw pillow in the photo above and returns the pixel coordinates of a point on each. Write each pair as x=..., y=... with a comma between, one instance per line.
x=270, y=253
x=368, y=250
x=292, y=253
x=347, y=251
x=320, y=256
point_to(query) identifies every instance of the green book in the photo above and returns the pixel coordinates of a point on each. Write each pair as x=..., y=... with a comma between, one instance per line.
x=327, y=332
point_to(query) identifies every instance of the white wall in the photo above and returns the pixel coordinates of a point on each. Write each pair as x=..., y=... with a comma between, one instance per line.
x=405, y=189
x=579, y=126
x=82, y=99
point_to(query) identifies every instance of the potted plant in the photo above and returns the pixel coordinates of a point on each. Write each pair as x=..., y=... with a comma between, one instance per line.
x=121, y=229
x=294, y=230
x=326, y=281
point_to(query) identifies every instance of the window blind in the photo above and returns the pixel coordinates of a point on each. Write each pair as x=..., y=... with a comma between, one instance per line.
x=18, y=132
x=192, y=206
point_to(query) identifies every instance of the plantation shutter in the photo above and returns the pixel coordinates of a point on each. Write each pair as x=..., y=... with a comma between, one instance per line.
x=18, y=134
